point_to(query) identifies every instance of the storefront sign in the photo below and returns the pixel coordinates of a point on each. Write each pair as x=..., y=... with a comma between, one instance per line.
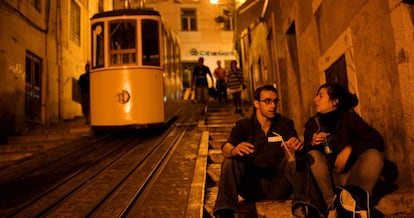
x=195, y=52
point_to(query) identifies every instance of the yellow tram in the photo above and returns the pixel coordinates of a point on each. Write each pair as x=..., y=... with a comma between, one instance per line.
x=135, y=69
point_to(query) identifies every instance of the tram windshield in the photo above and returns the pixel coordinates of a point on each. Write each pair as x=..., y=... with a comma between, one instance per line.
x=123, y=48
x=126, y=42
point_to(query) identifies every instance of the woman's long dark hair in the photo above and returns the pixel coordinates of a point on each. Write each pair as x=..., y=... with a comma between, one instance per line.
x=346, y=100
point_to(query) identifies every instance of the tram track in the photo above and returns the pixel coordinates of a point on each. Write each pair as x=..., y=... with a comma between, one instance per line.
x=23, y=168
x=51, y=171
x=139, y=183
x=105, y=176
x=82, y=191
x=52, y=197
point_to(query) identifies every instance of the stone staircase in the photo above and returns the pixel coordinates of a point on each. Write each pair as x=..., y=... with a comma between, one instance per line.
x=219, y=121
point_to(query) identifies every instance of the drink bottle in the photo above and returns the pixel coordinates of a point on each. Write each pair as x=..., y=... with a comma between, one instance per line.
x=326, y=141
x=326, y=145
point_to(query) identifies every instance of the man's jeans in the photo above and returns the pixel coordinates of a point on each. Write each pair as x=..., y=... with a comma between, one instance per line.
x=239, y=177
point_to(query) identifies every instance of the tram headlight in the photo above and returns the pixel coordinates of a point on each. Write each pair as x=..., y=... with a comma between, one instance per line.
x=123, y=97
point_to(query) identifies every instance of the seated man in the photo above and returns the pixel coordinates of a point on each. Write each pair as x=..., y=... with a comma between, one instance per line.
x=259, y=161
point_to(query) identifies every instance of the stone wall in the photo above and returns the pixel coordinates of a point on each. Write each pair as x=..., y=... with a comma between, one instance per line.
x=375, y=39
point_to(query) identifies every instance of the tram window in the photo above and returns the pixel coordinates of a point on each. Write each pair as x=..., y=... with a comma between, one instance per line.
x=150, y=43
x=97, y=45
x=123, y=42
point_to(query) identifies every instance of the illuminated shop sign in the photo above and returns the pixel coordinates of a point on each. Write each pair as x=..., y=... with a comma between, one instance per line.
x=195, y=52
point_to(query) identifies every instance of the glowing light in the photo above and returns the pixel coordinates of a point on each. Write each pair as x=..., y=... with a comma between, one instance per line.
x=214, y=2
x=126, y=86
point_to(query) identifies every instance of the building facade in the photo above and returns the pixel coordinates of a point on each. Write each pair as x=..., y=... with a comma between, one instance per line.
x=43, y=51
x=205, y=29
x=45, y=45
x=364, y=45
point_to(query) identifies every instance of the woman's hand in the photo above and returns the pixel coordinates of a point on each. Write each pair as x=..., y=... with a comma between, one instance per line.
x=342, y=158
x=318, y=138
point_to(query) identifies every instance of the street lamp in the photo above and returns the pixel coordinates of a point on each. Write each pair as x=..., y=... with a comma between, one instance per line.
x=238, y=2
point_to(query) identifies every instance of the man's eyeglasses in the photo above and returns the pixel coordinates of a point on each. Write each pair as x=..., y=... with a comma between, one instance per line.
x=268, y=101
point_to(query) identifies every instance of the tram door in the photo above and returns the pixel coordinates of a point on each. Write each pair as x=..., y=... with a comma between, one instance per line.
x=187, y=73
x=33, y=89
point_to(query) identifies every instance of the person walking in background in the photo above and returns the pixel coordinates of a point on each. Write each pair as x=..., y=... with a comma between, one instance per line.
x=235, y=81
x=84, y=85
x=259, y=162
x=342, y=149
x=199, y=83
x=220, y=75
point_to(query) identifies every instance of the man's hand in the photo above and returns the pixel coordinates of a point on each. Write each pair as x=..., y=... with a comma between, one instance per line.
x=294, y=144
x=242, y=149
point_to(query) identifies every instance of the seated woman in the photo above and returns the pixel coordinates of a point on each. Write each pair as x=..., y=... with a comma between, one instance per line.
x=342, y=148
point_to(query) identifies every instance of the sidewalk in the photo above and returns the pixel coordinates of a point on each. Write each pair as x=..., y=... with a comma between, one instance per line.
x=42, y=138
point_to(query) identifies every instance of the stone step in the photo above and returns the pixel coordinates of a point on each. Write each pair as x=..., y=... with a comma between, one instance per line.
x=213, y=171
x=216, y=136
x=216, y=144
x=398, y=204
x=268, y=209
x=216, y=156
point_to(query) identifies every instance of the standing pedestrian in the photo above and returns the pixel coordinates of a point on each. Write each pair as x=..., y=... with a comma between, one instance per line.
x=235, y=81
x=220, y=75
x=84, y=85
x=200, y=84
x=259, y=162
x=342, y=148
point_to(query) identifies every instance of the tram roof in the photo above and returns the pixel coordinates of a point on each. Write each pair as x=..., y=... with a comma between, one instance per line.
x=125, y=12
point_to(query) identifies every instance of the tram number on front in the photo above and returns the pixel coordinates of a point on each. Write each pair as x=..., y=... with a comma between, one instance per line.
x=123, y=96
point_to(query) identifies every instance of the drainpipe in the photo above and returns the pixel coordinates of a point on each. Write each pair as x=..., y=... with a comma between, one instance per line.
x=59, y=59
x=46, y=102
